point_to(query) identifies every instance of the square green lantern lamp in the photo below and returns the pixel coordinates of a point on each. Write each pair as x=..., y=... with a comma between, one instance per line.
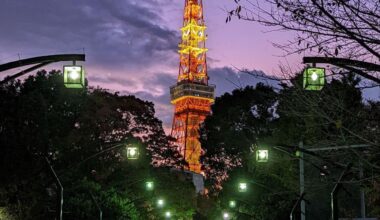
x=132, y=153
x=149, y=185
x=314, y=78
x=160, y=203
x=168, y=214
x=232, y=204
x=262, y=156
x=73, y=76
x=242, y=187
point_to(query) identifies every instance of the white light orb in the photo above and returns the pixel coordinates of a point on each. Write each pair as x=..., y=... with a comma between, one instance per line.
x=74, y=75
x=133, y=152
x=226, y=215
x=314, y=76
x=160, y=202
x=263, y=154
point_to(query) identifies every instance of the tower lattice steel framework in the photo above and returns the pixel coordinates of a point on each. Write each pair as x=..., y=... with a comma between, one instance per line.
x=192, y=96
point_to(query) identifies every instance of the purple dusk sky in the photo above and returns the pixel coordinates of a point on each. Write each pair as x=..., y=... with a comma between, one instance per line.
x=131, y=45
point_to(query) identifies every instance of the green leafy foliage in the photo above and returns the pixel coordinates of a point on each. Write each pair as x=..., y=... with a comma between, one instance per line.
x=237, y=121
x=335, y=116
x=84, y=134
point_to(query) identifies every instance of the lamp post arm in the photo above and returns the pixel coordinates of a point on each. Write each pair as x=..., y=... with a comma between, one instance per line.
x=348, y=64
x=99, y=153
x=300, y=198
x=342, y=61
x=97, y=205
x=38, y=62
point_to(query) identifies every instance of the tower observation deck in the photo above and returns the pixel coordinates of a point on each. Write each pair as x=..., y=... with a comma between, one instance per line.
x=192, y=96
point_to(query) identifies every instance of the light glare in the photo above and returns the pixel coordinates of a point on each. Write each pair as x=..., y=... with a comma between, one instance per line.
x=242, y=187
x=160, y=202
x=132, y=153
x=314, y=76
x=232, y=204
x=149, y=185
x=263, y=154
x=226, y=215
x=74, y=75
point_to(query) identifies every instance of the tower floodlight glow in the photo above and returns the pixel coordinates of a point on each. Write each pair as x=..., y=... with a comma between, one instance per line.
x=262, y=155
x=132, y=153
x=314, y=78
x=192, y=96
x=73, y=77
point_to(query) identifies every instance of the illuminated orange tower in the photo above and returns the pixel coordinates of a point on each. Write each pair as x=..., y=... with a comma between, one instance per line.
x=191, y=96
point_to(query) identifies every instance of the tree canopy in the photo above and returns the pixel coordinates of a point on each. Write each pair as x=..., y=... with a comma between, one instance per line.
x=259, y=118
x=330, y=28
x=83, y=134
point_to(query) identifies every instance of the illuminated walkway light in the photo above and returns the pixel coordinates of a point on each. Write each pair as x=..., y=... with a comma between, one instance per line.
x=314, y=78
x=73, y=77
x=243, y=187
x=262, y=155
x=132, y=153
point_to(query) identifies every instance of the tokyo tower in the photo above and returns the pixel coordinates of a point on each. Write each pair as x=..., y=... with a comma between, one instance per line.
x=192, y=96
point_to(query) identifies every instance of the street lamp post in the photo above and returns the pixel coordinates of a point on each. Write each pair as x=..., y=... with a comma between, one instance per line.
x=242, y=187
x=334, y=194
x=160, y=203
x=168, y=214
x=59, y=211
x=313, y=78
x=73, y=76
x=302, y=182
x=232, y=204
x=359, y=67
x=300, y=154
x=226, y=215
x=262, y=155
x=36, y=63
x=132, y=152
x=295, y=205
x=98, y=206
x=149, y=185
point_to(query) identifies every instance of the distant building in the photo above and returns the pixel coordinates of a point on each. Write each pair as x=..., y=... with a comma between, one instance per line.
x=196, y=178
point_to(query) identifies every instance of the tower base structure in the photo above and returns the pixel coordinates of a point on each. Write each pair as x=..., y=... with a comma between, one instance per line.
x=192, y=96
x=192, y=106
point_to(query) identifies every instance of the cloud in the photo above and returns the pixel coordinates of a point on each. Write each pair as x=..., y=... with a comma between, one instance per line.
x=115, y=34
x=129, y=45
x=156, y=89
x=227, y=79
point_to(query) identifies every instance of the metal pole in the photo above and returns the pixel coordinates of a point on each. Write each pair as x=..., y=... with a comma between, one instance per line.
x=59, y=194
x=362, y=195
x=302, y=182
x=295, y=205
x=334, y=194
x=334, y=203
x=97, y=205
